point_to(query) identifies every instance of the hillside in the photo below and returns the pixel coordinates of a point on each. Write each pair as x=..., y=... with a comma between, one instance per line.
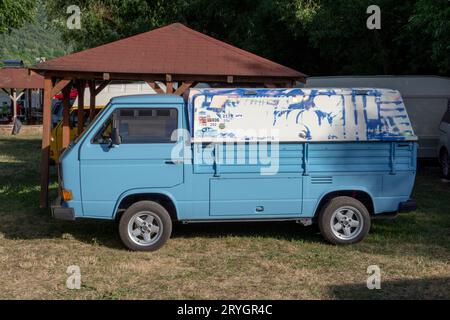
x=34, y=40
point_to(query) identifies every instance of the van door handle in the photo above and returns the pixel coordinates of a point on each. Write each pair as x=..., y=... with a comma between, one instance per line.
x=174, y=162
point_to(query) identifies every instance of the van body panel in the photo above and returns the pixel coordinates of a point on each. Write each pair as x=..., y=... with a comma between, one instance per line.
x=241, y=180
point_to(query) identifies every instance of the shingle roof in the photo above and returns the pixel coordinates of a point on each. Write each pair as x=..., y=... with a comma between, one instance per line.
x=173, y=49
x=20, y=78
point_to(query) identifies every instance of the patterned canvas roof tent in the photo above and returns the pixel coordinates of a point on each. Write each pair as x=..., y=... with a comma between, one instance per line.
x=170, y=59
x=296, y=115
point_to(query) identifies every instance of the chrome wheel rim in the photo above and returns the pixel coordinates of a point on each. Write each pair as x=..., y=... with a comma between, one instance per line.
x=145, y=228
x=346, y=223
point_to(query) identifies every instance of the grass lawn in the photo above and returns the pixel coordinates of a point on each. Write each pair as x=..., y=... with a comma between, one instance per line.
x=214, y=261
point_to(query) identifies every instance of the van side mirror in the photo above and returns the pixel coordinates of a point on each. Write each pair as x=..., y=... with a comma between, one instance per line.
x=115, y=137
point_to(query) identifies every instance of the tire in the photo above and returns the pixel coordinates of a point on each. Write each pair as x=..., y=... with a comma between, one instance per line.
x=444, y=159
x=344, y=220
x=145, y=226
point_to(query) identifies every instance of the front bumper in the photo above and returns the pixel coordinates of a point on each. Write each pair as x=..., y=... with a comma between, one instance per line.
x=60, y=212
x=407, y=206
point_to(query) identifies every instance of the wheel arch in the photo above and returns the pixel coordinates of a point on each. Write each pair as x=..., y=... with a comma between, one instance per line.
x=361, y=195
x=163, y=198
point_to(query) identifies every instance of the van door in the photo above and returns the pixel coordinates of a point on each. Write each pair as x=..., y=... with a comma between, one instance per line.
x=240, y=186
x=142, y=160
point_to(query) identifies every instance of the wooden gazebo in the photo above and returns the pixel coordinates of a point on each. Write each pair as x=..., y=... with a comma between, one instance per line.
x=16, y=82
x=170, y=59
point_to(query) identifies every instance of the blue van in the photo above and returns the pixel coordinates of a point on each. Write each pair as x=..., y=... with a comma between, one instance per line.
x=335, y=157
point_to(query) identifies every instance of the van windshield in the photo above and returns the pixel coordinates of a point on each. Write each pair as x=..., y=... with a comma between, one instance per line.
x=77, y=139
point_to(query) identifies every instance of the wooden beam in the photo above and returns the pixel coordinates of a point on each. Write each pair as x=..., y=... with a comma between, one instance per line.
x=66, y=118
x=174, y=77
x=92, y=95
x=6, y=91
x=102, y=86
x=20, y=95
x=169, y=87
x=81, y=87
x=182, y=89
x=60, y=86
x=155, y=87
x=46, y=129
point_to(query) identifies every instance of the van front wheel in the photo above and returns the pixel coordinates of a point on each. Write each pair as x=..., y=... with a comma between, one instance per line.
x=344, y=220
x=145, y=226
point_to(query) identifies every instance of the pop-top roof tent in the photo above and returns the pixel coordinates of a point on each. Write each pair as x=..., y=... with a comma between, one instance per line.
x=170, y=59
x=298, y=115
x=426, y=98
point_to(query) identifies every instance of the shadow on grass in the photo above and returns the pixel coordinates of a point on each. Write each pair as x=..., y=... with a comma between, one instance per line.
x=425, y=288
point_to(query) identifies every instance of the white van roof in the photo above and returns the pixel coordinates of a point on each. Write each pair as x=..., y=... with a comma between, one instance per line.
x=339, y=114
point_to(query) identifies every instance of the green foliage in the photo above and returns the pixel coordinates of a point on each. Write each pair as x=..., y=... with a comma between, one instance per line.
x=104, y=21
x=318, y=37
x=14, y=13
x=34, y=40
x=431, y=22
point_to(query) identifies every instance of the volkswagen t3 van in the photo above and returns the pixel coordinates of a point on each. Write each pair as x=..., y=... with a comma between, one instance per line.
x=335, y=157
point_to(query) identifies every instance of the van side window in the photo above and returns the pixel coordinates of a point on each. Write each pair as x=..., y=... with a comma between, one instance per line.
x=149, y=125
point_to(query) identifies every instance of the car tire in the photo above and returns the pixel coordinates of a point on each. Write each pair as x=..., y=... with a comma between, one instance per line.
x=444, y=159
x=344, y=221
x=145, y=226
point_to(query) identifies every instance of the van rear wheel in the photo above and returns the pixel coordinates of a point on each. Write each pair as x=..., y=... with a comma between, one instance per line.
x=344, y=220
x=145, y=226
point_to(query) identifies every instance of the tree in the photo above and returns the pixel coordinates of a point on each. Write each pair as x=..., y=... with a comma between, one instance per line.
x=431, y=23
x=318, y=37
x=103, y=21
x=14, y=13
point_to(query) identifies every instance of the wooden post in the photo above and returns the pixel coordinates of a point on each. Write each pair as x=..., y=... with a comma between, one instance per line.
x=14, y=104
x=66, y=117
x=81, y=86
x=92, y=95
x=46, y=127
x=29, y=105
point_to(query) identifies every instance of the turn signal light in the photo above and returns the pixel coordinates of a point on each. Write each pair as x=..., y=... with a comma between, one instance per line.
x=66, y=195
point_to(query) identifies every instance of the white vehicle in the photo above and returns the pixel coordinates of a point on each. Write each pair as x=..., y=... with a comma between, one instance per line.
x=425, y=98
x=117, y=88
x=444, y=144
